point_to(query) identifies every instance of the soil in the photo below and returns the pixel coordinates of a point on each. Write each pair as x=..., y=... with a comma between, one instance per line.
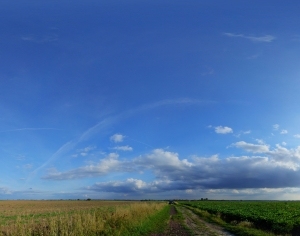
x=201, y=227
x=196, y=226
x=174, y=227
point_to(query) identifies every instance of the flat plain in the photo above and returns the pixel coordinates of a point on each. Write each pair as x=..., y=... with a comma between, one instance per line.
x=81, y=217
x=271, y=217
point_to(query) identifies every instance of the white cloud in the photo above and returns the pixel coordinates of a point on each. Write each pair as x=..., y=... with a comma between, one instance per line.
x=288, y=156
x=264, y=39
x=297, y=136
x=117, y=138
x=260, y=141
x=163, y=159
x=276, y=126
x=240, y=173
x=105, y=166
x=123, y=148
x=5, y=191
x=249, y=147
x=87, y=149
x=242, y=133
x=189, y=191
x=110, y=120
x=129, y=186
x=284, y=131
x=223, y=130
x=276, y=167
x=84, y=151
x=279, y=153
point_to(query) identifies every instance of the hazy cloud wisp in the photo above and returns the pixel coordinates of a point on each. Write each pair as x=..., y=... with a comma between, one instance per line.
x=264, y=39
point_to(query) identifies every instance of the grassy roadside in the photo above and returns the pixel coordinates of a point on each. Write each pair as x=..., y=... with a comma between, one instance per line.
x=156, y=223
x=242, y=229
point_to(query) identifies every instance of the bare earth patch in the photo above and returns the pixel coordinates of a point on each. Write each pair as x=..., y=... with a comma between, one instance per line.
x=201, y=227
x=174, y=227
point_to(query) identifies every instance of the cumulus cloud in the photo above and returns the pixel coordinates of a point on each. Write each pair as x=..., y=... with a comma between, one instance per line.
x=223, y=130
x=117, y=138
x=243, y=172
x=284, y=131
x=297, y=136
x=84, y=151
x=260, y=141
x=137, y=186
x=105, y=166
x=5, y=191
x=123, y=148
x=160, y=159
x=264, y=167
x=276, y=126
x=129, y=186
x=249, y=147
x=87, y=149
x=263, y=39
x=290, y=157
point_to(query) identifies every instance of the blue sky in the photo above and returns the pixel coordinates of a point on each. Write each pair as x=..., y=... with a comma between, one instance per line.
x=149, y=99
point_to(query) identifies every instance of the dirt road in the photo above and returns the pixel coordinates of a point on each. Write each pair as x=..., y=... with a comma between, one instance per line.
x=200, y=227
x=193, y=225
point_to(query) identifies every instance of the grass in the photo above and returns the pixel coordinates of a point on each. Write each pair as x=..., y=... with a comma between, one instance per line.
x=84, y=219
x=156, y=223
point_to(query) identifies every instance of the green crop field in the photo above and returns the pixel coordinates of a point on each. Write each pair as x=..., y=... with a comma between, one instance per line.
x=279, y=217
x=64, y=218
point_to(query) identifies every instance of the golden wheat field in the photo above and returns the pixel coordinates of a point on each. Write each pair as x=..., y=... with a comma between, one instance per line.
x=76, y=217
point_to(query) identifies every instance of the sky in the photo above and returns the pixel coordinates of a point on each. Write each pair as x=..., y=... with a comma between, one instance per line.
x=168, y=99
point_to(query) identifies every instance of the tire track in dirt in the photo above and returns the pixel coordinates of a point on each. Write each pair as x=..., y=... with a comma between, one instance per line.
x=196, y=226
x=175, y=228
x=199, y=226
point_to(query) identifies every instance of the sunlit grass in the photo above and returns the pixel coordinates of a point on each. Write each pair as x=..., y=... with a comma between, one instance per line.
x=97, y=218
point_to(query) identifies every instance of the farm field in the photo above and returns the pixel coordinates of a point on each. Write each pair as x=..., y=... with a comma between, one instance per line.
x=277, y=217
x=82, y=217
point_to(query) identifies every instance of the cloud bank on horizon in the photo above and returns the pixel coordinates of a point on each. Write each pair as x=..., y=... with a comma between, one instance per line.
x=139, y=100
